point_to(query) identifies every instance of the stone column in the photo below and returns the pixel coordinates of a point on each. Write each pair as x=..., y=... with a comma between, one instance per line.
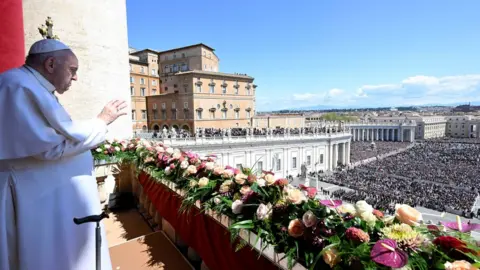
x=401, y=135
x=344, y=154
x=334, y=156
x=330, y=156
x=347, y=154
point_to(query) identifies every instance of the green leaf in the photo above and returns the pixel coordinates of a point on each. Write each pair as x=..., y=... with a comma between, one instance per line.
x=245, y=224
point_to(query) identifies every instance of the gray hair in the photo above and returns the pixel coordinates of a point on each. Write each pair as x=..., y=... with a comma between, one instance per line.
x=40, y=58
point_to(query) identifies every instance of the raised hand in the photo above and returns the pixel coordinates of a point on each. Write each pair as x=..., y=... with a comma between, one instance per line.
x=112, y=111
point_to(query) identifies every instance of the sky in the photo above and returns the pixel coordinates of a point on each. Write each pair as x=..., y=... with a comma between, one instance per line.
x=333, y=53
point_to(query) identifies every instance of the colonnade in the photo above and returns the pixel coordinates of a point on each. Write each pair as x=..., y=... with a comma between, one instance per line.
x=372, y=133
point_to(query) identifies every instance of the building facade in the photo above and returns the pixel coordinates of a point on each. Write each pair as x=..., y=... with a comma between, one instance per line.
x=279, y=121
x=98, y=41
x=461, y=126
x=427, y=126
x=283, y=154
x=399, y=132
x=144, y=81
x=194, y=94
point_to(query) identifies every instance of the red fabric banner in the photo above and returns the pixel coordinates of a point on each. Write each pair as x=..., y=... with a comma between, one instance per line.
x=12, y=42
x=201, y=232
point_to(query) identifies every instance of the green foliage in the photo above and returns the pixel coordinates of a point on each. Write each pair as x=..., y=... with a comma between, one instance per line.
x=336, y=117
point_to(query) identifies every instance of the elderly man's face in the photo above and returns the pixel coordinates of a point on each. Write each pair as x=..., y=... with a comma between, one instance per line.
x=63, y=69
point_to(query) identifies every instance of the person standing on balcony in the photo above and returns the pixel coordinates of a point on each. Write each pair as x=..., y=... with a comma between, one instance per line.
x=46, y=167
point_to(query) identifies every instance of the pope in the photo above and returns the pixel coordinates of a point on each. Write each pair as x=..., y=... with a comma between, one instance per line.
x=46, y=168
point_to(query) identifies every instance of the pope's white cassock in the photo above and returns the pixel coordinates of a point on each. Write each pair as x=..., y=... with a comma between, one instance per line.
x=46, y=179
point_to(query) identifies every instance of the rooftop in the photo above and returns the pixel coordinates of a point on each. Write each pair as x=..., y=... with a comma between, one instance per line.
x=188, y=47
x=213, y=73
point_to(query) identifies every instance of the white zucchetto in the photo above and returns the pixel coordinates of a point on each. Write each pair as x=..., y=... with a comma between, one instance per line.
x=47, y=45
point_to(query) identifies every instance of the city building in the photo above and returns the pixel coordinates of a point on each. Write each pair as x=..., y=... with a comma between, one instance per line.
x=194, y=94
x=383, y=131
x=283, y=154
x=427, y=126
x=144, y=81
x=461, y=126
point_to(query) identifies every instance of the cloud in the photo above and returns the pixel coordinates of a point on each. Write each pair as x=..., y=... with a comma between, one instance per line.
x=414, y=90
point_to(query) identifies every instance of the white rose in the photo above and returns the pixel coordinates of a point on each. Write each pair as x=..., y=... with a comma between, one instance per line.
x=237, y=207
x=169, y=150
x=99, y=150
x=347, y=208
x=193, y=183
x=218, y=170
x=264, y=211
x=227, y=173
x=363, y=207
x=131, y=145
x=261, y=182
x=217, y=200
x=191, y=169
x=168, y=171
x=177, y=155
x=296, y=196
x=269, y=179
x=159, y=149
x=209, y=166
x=117, y=148
x=184, y=164
x=245, y=189
x=240, y=178
x=107, y=146
x=309, y=219
x=203, y=182
x=369, y=217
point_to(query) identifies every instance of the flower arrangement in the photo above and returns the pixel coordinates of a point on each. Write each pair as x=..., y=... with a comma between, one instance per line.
x=319, y=234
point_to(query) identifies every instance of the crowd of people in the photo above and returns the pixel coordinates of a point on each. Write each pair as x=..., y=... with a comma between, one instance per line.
x=365, y=150
x=433, y=174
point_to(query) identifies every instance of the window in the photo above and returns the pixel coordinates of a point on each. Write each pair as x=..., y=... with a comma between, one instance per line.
x=309, y=160
x=144, y=114
x=174, y=56
x=166, y=88
x=204, y=67
x=174, y=105
x=166, y=69
x=279, y=164
x=236, y=91
x=142, y=81
x=212, y=115
x=224, y=114
x=132, y=91
x=184, y=67
x=185, y=114
x=237, y=115
x=212, y=89
x=183, y=55
x=321, y=158
x=224, y=89
x=142, y=91
x=134, y=115
x=259, y=166
x=185, y=89
x=132, y=80
x=154, y=91
x=174, y=114
x=154, y=82
x=294, y=162
x=199, y=88
x=248, y=114
x=155, y=114
x=154, y=72
x=142, y=70
x=185, y=105
x=164, y=115
x=199, y=115
x=175, y=68
x=131, y=68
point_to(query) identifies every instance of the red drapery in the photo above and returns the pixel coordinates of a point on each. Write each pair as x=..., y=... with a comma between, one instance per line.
x=12, y=42
x=205, y=235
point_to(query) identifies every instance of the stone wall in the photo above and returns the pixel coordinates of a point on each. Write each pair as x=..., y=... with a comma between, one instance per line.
x=97, y=33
